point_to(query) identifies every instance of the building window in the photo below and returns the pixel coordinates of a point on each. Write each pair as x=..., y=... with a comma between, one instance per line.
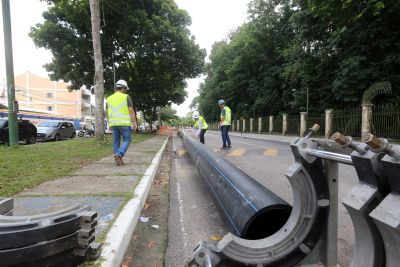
x=49, y=95
x=30, y=99
x=49, y=108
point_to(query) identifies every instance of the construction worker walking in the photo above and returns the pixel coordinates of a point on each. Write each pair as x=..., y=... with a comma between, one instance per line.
x=225, y=123
x=201, y=124
x=121, y=118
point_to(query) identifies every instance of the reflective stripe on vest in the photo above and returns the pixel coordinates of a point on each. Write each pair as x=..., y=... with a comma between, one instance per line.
x=204, y=125
x=118, y=112
x=228, y=115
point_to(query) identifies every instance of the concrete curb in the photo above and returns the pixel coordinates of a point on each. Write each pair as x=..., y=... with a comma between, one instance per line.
x=120, y=233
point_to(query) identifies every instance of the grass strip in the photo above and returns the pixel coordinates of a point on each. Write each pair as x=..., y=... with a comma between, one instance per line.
x=24, y=167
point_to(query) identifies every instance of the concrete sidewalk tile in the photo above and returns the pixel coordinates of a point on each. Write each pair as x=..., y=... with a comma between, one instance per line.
x=111, y=169
x=128, y=159
x=85, y=185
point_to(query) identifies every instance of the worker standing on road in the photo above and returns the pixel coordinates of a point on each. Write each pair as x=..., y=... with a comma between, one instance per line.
x=225, y=123
x=121, y=117
x=201, y=124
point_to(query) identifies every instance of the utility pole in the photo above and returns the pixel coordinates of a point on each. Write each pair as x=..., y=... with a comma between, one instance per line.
x=98, y=69
x=12, y=104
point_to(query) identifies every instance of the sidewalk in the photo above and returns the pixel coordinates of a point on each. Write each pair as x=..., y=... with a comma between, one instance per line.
x=110, y=190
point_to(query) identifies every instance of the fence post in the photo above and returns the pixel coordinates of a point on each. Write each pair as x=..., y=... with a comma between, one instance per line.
x=251, y=125
x=284, y=124
x=328, y=123
x=303, y=123
x=244, y=125
x=238, y=125
x=366, y=118
x=259, y=124
x=271, y=123
x=233, y=126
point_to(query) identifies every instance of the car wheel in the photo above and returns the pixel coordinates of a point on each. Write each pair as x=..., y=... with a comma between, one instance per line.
x=73, y=135
x=57, y=137
x=31, y=140
x=81, y=134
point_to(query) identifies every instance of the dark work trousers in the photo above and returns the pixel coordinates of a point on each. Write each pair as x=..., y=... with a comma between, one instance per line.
x=201, y=135
x=225, y=136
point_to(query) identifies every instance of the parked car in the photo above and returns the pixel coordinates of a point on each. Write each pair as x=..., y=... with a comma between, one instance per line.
x=26, y=131
x=55, y=130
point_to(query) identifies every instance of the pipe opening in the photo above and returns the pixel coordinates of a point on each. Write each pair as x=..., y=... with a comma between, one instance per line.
x=266, y=223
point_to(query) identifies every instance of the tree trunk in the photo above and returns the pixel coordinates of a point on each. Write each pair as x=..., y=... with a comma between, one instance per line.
x=98, y=67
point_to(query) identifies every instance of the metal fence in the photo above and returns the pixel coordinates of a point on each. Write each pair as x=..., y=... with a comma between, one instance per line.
x=265, y=125
x=255, y=125
x=386, y=121
x=316, y=118
x=247, y=125
x=293, y=125
x=347, y=121
x=278, y=121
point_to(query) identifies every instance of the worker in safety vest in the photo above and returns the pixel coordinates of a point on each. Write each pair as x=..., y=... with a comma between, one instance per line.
x=121, y=118
x=225, y=123
x=201, y=124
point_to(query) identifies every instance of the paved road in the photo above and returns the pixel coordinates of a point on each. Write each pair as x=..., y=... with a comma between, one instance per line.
x=193, y=216
x=267, y=161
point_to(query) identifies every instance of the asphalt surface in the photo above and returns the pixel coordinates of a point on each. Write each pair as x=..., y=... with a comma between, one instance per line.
x=194, y=218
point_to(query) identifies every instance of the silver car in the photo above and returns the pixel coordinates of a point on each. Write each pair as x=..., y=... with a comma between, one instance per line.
x=55, y=130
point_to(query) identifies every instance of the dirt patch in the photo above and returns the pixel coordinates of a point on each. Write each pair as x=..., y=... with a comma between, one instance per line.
x=150, y=239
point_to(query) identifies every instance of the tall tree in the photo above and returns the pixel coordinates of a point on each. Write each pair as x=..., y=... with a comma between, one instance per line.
x=148, y=41
x=98, y=66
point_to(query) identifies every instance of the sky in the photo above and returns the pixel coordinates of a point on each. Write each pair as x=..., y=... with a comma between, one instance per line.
x=212, y=21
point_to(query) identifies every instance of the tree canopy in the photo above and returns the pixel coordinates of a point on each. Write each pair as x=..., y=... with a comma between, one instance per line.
x=148, y=41
x=333, y=49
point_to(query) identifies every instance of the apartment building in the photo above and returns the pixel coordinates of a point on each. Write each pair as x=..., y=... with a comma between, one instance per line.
x=39, y=94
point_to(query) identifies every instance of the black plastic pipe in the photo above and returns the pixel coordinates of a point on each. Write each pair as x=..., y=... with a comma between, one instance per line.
x=251, y=210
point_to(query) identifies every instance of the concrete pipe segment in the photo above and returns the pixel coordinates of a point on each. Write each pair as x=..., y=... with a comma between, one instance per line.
x=266, y=231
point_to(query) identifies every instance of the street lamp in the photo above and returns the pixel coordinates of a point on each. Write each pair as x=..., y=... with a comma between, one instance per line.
x=307, y=97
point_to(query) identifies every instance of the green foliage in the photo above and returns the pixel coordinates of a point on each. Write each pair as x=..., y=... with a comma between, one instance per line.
x=148, y=40
x=167, y=114
x=381, y=88
x=332, y=50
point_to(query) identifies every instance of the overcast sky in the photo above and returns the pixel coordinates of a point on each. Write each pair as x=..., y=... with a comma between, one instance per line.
x=212, y=20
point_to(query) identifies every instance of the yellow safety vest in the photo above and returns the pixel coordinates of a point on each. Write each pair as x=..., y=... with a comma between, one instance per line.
x=204, y=125
x=228, y=116
x=118, y=112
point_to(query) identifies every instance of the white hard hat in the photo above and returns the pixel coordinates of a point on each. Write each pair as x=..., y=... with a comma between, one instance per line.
x=221, y=101
x=196, y=115
x=121, y=83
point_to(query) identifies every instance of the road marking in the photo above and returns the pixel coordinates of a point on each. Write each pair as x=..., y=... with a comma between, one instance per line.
x=237, y=152
x=263, y=147
x=181, y=152
x=271, y=152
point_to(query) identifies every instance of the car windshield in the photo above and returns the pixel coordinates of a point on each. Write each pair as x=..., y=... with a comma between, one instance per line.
x=2, y=122
x=53, y=124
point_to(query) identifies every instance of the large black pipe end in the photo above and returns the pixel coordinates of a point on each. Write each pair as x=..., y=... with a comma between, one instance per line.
x=266, y=222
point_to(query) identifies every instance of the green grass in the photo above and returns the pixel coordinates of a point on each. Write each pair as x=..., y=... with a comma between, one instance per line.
x=24, y=167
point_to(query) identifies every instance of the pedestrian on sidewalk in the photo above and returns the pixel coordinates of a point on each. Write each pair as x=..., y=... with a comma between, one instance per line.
x=200, y=124
x=225, y=124
x=122, y=120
